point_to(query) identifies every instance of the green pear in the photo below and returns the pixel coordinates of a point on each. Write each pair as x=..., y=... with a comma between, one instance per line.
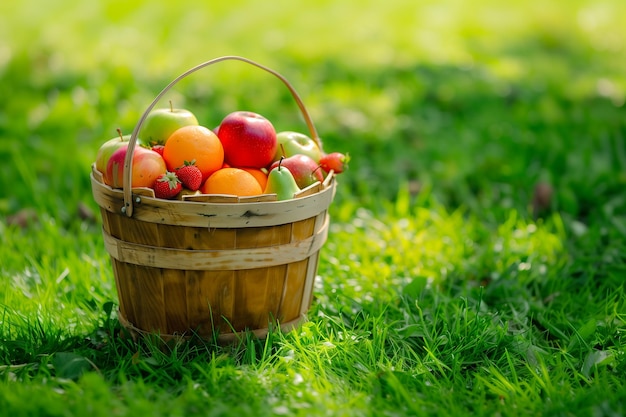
x=281, y=182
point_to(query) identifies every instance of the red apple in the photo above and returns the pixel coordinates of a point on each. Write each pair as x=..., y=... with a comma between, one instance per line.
x=303, y=168
x=147, y=166
x=249, y=139
x=108, y=148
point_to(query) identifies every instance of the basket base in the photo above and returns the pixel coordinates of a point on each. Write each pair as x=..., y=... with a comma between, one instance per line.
x=222, y=339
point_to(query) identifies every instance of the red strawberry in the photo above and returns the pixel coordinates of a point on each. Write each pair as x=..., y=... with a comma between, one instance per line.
x=335, y=161
x=167, y=186
x=190, y=175
x=158, y=149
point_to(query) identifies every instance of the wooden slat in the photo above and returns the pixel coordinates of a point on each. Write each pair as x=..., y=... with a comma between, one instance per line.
x=307, y=293
x=221, y=298
x=125, y=289
x=250, y=295
x=209, y=296
x=293, y=288
x=273, y=293
x=175, y=301
x=148, y=299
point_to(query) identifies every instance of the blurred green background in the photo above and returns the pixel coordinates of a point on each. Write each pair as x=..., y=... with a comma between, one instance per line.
x=474, y=102
x=488, y=159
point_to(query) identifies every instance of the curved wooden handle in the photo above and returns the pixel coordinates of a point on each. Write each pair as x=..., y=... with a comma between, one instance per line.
x=128, y=162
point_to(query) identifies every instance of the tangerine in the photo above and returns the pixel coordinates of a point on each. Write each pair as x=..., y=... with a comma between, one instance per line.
x=259, y=174
x=232, y=181
x=194, y=143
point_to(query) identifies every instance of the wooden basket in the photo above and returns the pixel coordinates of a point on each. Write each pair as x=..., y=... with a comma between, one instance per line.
x=213, y=265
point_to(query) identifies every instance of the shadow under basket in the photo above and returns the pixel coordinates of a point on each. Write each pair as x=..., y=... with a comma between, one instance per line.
x=213, y=266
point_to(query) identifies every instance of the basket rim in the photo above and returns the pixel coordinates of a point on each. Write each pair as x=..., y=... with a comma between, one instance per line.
x=216, y=214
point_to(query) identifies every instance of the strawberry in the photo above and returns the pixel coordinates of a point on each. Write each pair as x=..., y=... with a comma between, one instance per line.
x=335, y=161
x=190, y=175
x=158, y=149
x=167, y=186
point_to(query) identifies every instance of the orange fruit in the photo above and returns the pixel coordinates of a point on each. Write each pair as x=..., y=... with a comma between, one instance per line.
x=233, y=181
x=191, y=143
x=260, y=176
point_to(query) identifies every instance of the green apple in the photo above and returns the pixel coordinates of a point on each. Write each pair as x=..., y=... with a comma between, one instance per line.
x=161, y=123
x=108, y=148
x=295, y=143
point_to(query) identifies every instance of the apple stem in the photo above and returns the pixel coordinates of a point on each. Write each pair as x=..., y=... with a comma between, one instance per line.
x=119, y=132
x=171, y=106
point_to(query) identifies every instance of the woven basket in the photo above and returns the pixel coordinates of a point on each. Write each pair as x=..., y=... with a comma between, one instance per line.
x=213, y=265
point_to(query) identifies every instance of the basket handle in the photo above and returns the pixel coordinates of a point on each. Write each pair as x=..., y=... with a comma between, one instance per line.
x=128, y=161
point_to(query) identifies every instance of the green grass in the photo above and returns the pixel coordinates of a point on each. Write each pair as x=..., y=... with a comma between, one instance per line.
x=445, y=287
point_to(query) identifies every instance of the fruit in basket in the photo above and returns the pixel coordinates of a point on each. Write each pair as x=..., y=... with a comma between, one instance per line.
x=158, y=149
x=335, y=161
x=167, y=186
x=194, y=143
x=161, y=123
x=232, y=181
x=281, y=182
x=259, y=174
x=108, y=148
x=249, y=139
x=147, y=166
x=190, y=175
x=293, y=143
x=304, y=169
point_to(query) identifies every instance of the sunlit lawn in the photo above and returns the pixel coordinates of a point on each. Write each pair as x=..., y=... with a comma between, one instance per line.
x=476, y=257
